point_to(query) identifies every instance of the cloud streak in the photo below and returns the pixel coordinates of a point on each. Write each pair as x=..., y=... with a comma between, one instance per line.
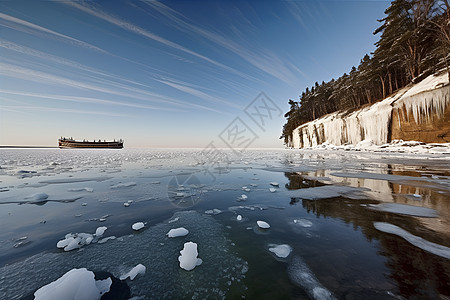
x=145, y=33
x=30, y=28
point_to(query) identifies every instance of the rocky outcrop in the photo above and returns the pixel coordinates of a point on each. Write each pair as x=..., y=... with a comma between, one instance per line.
x=420, y=113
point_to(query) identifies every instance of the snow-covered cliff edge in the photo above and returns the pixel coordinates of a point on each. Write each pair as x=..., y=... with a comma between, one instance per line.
x=420, y=112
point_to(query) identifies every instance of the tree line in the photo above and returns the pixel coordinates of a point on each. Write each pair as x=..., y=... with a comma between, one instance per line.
x=414, y=43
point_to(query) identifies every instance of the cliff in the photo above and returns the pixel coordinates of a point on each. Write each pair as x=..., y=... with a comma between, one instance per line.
x=420, y=112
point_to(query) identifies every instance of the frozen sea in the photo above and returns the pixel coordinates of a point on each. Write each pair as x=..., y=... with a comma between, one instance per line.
x=268, y=224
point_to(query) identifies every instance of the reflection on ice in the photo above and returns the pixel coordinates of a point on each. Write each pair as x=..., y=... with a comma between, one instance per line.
x=302, y=276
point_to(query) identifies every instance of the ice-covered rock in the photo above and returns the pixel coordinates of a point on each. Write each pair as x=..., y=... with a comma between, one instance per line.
x=281, y=251
x=139, y=269
x=138, y=226
x=188, y=258
x=263, y=225
x=77, y=284
x=176, y=232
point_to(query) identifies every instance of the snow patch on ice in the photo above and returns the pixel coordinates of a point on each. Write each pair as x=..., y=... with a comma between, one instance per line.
x=214, y=211
x=419, y=242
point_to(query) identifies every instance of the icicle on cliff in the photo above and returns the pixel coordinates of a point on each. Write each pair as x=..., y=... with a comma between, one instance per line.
x=420, y=112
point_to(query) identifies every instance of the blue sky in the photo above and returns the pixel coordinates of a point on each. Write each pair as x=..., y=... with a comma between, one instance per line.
x=172, y=73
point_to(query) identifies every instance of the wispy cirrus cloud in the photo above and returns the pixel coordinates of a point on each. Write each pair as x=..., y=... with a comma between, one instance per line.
x=263, y=60
x=170, y=104
x=186, y=88
x=89, y=9
x=30, y=28
x=61, y=110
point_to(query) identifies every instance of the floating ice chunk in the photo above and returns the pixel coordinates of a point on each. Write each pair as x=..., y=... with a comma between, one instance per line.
x=274, y=183
x=126, y=204
x=100, y=231
x=272, y=190
x=83, y=204
x=239, y=218
x=138, y=226
x=302, y=276
x=37, y=197
x=74, y=243
x=281, y=251
x=214, y=211
x=77, y=284
x=419, y=242
x=188, y=258
x=242, y=198
x=263, y=225
x=139, y=269
x=405, y=209
x=303, y=223
x=178, y=232
x=417, y=195
x=125, y=184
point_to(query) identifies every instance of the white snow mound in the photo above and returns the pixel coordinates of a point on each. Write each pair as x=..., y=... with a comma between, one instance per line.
x=176, y=232
x=188, y=258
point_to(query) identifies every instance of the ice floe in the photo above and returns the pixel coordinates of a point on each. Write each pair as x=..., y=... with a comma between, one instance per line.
x=239, y=218
x=242, y=198
x=328, y=191
x=419, y=242
x=73, y=180
x=263, y=225
x=137, y=226
x=405, y=209
x=139, y=269
x=188, y=258
x=37, y=197
x=100, y=231
x=214, y=211
x=302, y=223
x=76, y=284
x=281, y=251
x=122, y=185
x=86, y=189
x=302, y=276
x=176, y=232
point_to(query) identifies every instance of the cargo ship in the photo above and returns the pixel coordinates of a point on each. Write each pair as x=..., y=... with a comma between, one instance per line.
x=71, y=143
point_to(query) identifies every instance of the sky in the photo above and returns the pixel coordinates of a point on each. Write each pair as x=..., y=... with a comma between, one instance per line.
x=170, y=74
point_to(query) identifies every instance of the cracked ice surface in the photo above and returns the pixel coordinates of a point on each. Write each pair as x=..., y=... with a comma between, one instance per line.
x=151, y=248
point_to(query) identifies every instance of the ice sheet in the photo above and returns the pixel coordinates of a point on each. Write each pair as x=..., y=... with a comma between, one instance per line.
x=414, y=240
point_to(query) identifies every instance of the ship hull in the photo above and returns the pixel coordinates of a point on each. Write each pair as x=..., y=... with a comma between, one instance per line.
x=100, y=145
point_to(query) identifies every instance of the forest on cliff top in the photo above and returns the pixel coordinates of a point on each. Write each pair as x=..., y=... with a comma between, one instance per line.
x=414, y=43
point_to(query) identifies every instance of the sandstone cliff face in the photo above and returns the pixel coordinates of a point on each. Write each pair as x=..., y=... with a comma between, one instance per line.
x=417, y=113
x=431, y=124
